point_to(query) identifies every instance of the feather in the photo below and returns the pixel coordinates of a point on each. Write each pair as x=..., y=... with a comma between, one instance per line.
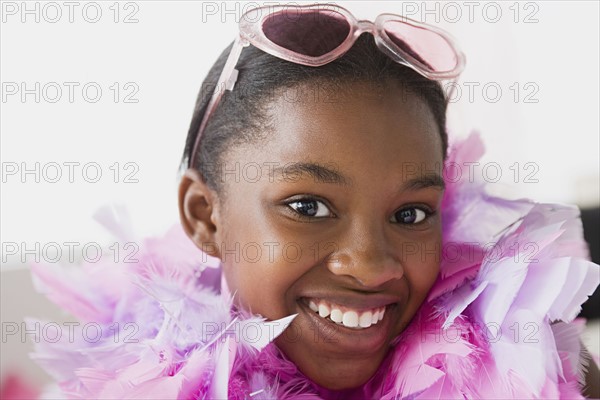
x=266, y=331
x=413, y=374
x=570, y=387
x=222, y=369
x=583, y=278
x=441, y=389
x=70, y=290
x=461, y=298
x=449, y=284
x=567, y=338
x=193, y=374
x=189, y=342
x=115, y=218
x=460, y=262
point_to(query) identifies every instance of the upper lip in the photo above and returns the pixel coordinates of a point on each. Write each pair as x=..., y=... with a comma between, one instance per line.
x=366, y=301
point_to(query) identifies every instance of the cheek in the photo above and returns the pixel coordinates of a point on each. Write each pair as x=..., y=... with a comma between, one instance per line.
x=249, y=261
x=422, y=264
x=262, y=270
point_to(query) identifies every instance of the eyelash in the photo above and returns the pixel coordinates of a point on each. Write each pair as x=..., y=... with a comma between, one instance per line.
x=308, y=218
x=426, y=210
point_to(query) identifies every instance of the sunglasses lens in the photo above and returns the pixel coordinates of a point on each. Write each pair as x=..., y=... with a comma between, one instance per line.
x=425, y=46
x=307, y=32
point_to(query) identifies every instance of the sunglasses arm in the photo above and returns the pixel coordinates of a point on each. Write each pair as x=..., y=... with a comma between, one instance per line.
x=226, y=81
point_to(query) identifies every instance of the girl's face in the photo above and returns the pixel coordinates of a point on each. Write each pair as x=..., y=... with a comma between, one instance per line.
x=335, y=210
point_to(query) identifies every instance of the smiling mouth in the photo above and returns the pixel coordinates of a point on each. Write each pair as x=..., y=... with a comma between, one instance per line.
x=346, y=316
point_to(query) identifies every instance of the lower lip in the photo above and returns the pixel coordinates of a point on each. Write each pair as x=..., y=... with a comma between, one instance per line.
x=350, y=340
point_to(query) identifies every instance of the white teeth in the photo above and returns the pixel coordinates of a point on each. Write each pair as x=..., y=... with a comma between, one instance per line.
x=350, y=319
x=323, y=311
x=336, y=316
x=375, y=317
x=365, y=319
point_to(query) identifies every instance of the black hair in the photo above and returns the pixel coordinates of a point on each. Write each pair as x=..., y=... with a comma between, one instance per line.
x=261, y=74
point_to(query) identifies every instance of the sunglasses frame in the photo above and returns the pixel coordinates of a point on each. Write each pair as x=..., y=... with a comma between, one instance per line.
x=251, y=33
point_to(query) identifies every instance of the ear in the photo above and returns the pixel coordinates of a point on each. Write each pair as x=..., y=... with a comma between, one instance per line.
x=198, y=211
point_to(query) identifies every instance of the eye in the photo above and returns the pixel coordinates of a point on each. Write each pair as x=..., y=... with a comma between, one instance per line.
x=410, y=215
x=310, y=208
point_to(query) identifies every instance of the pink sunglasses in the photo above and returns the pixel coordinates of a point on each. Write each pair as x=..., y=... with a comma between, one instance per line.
x=317, y=34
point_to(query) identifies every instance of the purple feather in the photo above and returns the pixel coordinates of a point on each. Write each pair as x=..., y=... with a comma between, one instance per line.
x=173, y=317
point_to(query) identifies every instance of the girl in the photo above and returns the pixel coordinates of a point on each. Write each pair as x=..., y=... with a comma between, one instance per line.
x=341, y=256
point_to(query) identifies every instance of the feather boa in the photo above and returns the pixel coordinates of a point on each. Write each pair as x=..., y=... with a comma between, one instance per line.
x=498, y=322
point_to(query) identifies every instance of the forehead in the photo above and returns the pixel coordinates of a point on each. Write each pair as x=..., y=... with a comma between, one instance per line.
x=357, y=124
x=372, y=137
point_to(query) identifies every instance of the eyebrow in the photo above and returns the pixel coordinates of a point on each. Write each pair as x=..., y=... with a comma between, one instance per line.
x=320, y=173
x=323, y=174
x=425, y=181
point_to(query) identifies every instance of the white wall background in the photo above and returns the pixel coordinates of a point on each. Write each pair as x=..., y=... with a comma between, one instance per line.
x=545, y=49
x=169, y=50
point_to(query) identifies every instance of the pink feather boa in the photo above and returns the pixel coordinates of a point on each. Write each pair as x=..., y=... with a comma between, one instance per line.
x=168, y=330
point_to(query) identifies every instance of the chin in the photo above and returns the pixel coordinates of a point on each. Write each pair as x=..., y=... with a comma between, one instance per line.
x=338, y=355
x=346, y=379
x=334, y=371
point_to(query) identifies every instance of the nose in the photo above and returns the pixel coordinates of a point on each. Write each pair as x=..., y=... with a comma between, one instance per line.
x=366, y=255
